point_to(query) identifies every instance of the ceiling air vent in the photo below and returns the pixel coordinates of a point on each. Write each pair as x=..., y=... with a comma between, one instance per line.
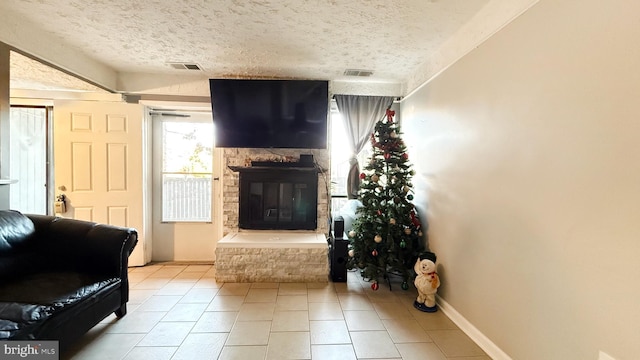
x=185, y=66
x=356, y=72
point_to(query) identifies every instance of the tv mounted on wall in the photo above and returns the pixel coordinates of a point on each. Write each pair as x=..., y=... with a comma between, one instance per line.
x=270, y=113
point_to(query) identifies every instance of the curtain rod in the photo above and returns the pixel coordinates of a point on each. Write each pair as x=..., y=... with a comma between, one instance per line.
x=396, y=98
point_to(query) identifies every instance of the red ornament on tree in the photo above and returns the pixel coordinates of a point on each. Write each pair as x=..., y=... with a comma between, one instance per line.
x=374, y=252
x=375, y=286
x=405, y=156
x=414, y=219
x=362, y=176
x=387, y=156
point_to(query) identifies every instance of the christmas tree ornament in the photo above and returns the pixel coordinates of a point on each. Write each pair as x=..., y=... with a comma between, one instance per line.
x=387, y=156
x=393, y=134
x=414, y=219
x=351, y=253
x=407, y=231
x=405, y=156
x=403, y=244
x=374, y=252
x=377, y=239
x=352, y=234
x=379, y=213
x=406, y=188
x=409, y=197
x=392, y=221
x=396, y=200
x=375, y=178
x=375, y=286
x=405, y=285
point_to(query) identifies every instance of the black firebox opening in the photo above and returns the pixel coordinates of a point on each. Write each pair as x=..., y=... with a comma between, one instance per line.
x=278, y=199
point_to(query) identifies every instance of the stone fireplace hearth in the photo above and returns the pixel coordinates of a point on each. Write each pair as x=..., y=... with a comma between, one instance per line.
x=272, y=256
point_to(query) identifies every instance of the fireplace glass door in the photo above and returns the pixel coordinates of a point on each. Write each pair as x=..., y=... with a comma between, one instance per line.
x=284, y=200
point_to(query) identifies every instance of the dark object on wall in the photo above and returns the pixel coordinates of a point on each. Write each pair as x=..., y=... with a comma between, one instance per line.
x=338, y=254
x=60, y=277
x=306, y=158
x=270, y=113
x=338, y=227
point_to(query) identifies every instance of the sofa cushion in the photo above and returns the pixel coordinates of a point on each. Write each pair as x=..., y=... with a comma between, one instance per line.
x=29, y=301
x=21, y=263
x=15, y=230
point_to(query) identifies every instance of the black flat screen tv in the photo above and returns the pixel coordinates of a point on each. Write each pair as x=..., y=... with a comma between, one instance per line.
x=270, y=113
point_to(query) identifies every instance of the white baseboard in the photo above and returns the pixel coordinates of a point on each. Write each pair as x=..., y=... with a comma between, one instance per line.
x=478, y=337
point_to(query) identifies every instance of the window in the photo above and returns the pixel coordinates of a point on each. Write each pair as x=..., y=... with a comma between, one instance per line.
x=187, y=163
x=340, y=155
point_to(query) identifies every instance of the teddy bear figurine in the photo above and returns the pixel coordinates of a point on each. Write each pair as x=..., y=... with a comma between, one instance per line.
x=427, y=282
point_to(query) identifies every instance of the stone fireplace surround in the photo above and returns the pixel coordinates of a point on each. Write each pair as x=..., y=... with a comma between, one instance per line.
x=266, y=255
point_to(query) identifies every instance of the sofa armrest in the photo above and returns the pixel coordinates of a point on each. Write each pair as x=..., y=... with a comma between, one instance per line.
x=86, y=246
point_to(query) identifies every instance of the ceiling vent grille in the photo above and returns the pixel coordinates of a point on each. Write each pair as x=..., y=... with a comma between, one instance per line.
x=357, y=72
x=185, y=66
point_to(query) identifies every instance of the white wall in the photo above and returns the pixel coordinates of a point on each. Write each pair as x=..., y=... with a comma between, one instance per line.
x=527, y=154
x=4, y=125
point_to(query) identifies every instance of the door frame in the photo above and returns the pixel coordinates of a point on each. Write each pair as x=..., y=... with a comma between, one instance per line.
x=50, y=190
x=178, y=229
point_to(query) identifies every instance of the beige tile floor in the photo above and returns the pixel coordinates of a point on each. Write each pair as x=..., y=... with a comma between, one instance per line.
x=181, y=312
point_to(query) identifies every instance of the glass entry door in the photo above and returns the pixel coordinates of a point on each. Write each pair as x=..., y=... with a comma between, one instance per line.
x=29, y=158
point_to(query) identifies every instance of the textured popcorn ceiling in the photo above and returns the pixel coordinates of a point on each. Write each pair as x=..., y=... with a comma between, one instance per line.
x=27, y=73
x=316, y=39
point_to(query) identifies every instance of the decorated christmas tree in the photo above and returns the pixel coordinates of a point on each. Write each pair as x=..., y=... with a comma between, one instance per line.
x=386, y=237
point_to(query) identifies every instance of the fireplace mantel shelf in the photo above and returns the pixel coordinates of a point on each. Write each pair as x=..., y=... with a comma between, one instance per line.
x=278, y=167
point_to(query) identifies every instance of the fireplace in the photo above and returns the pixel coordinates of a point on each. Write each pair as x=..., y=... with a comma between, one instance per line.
x=279, y=196
x=274, y=218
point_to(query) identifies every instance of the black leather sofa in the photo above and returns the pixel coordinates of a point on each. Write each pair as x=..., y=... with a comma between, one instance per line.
x=60, y=277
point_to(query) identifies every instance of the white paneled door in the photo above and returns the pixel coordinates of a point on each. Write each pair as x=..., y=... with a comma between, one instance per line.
x=98, y=164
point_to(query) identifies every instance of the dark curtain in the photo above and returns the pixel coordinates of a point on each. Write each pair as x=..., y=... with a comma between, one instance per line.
x=360, y=113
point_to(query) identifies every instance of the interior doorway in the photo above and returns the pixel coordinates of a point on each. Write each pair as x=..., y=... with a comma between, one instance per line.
x=29, y=133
